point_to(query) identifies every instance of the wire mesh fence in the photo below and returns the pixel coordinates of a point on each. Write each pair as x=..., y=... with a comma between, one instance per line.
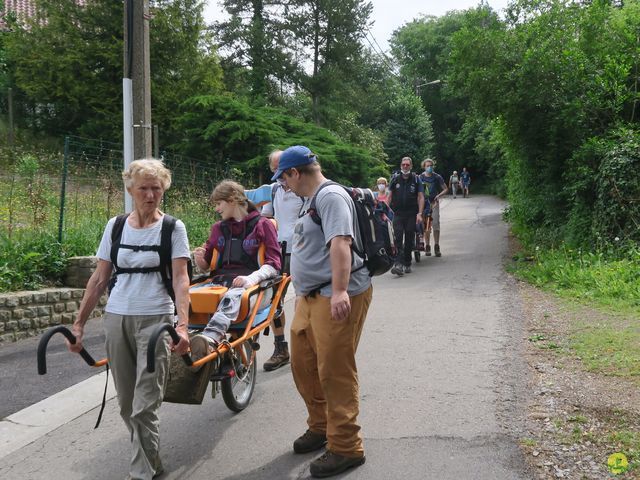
x=75, y=193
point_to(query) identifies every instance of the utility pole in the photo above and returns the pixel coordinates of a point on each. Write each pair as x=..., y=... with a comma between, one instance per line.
x=136, y=85
x=156, y=142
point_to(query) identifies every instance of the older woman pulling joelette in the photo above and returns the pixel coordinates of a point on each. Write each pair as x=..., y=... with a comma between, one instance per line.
x=140, y=299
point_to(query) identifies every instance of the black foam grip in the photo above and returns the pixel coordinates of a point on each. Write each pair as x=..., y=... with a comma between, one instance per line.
x=153, y=341
x=44, y=341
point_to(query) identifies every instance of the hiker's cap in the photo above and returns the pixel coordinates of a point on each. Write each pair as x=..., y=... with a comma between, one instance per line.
x=294, y=157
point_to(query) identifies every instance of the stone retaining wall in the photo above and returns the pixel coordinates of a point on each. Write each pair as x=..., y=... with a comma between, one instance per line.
x=26, y=314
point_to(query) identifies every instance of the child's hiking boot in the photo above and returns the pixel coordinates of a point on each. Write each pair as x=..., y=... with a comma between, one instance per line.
x=309, y=442
x=436, y=248
x=201, y=346
x=427, y=250
x=279, y=358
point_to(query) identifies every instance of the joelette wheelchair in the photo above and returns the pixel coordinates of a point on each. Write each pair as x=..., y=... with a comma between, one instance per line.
x=231, y=368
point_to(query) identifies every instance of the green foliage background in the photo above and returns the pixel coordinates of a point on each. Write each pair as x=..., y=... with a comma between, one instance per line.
x=540, y=103
x=544, y=107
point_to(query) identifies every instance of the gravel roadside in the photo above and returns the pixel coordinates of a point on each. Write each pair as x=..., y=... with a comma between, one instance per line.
x=576, y=419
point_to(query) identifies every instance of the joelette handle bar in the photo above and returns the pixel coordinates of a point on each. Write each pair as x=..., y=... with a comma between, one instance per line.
x=44, y=340
x=153, y=340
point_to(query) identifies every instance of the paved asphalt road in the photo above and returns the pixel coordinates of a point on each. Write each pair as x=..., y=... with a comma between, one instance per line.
x=440, y=373
x=20, y=384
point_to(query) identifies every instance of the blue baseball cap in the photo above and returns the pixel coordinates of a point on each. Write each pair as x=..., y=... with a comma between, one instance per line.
x=294, y=157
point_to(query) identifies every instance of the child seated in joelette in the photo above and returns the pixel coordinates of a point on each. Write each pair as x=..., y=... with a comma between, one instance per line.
x=234, y=244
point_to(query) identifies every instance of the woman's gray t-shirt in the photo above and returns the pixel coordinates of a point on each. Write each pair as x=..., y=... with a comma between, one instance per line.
x=310, y=262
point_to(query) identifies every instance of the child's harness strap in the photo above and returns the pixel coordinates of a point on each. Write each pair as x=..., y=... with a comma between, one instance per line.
x=233, y=252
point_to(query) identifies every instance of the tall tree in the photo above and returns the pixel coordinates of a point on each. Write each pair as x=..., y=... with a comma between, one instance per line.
x=330, y=32
x=3, y=56
x=67, y=62
x=4, y=71
x=254, y=39
x=557, y=75
x=423, y=49
x=184, y=60
x=408, y=130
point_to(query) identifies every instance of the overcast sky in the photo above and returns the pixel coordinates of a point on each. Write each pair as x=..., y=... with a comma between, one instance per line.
x=389, y=15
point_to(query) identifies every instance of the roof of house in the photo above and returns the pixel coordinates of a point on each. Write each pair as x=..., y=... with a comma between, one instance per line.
x=22, y=8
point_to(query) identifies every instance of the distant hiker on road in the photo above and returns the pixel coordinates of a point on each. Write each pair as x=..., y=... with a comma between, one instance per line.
x=382, y=190
x=381, y=194
x=406, y=198
x=454, y=181
x=147, y=284
x=435, y=188
x=465, y=178
x=333, y=291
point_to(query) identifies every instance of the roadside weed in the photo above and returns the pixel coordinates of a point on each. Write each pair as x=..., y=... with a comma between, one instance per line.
x=609, y=349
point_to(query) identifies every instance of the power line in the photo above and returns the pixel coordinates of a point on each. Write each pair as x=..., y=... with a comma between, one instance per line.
x=387, y=61
x=376, y=41
x=382, y=56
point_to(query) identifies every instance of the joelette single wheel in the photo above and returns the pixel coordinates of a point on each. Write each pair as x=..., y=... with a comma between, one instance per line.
x=237, y=388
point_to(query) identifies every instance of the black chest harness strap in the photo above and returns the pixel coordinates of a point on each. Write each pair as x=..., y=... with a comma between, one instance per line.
x=164, y=251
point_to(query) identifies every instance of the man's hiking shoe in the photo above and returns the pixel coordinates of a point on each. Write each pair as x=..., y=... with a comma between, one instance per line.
x=309, y=442
x=398, y=270
x=279, y=358
x=436, y=248
x=329, y=464
x=407, y=269
x=427, y=250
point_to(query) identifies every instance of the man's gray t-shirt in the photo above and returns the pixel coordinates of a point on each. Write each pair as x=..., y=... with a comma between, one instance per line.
x=310, y=262
x=287, y=208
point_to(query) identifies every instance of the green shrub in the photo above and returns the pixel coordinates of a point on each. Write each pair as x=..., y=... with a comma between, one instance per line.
x=603, y=190
x=30, y=261
x=220, y=129
x=609, y=278
x=617, y=207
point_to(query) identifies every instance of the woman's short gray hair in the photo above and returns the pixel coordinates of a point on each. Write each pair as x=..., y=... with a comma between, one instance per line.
x=148, y=167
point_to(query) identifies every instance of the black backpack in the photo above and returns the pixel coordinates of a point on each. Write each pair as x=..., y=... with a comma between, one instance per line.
x=376, y=230
x=164, y=251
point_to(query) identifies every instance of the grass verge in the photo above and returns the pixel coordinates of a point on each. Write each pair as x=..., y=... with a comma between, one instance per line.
x=608, y=281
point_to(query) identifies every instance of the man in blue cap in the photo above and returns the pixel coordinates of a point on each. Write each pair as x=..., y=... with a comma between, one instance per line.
x=333, y=291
